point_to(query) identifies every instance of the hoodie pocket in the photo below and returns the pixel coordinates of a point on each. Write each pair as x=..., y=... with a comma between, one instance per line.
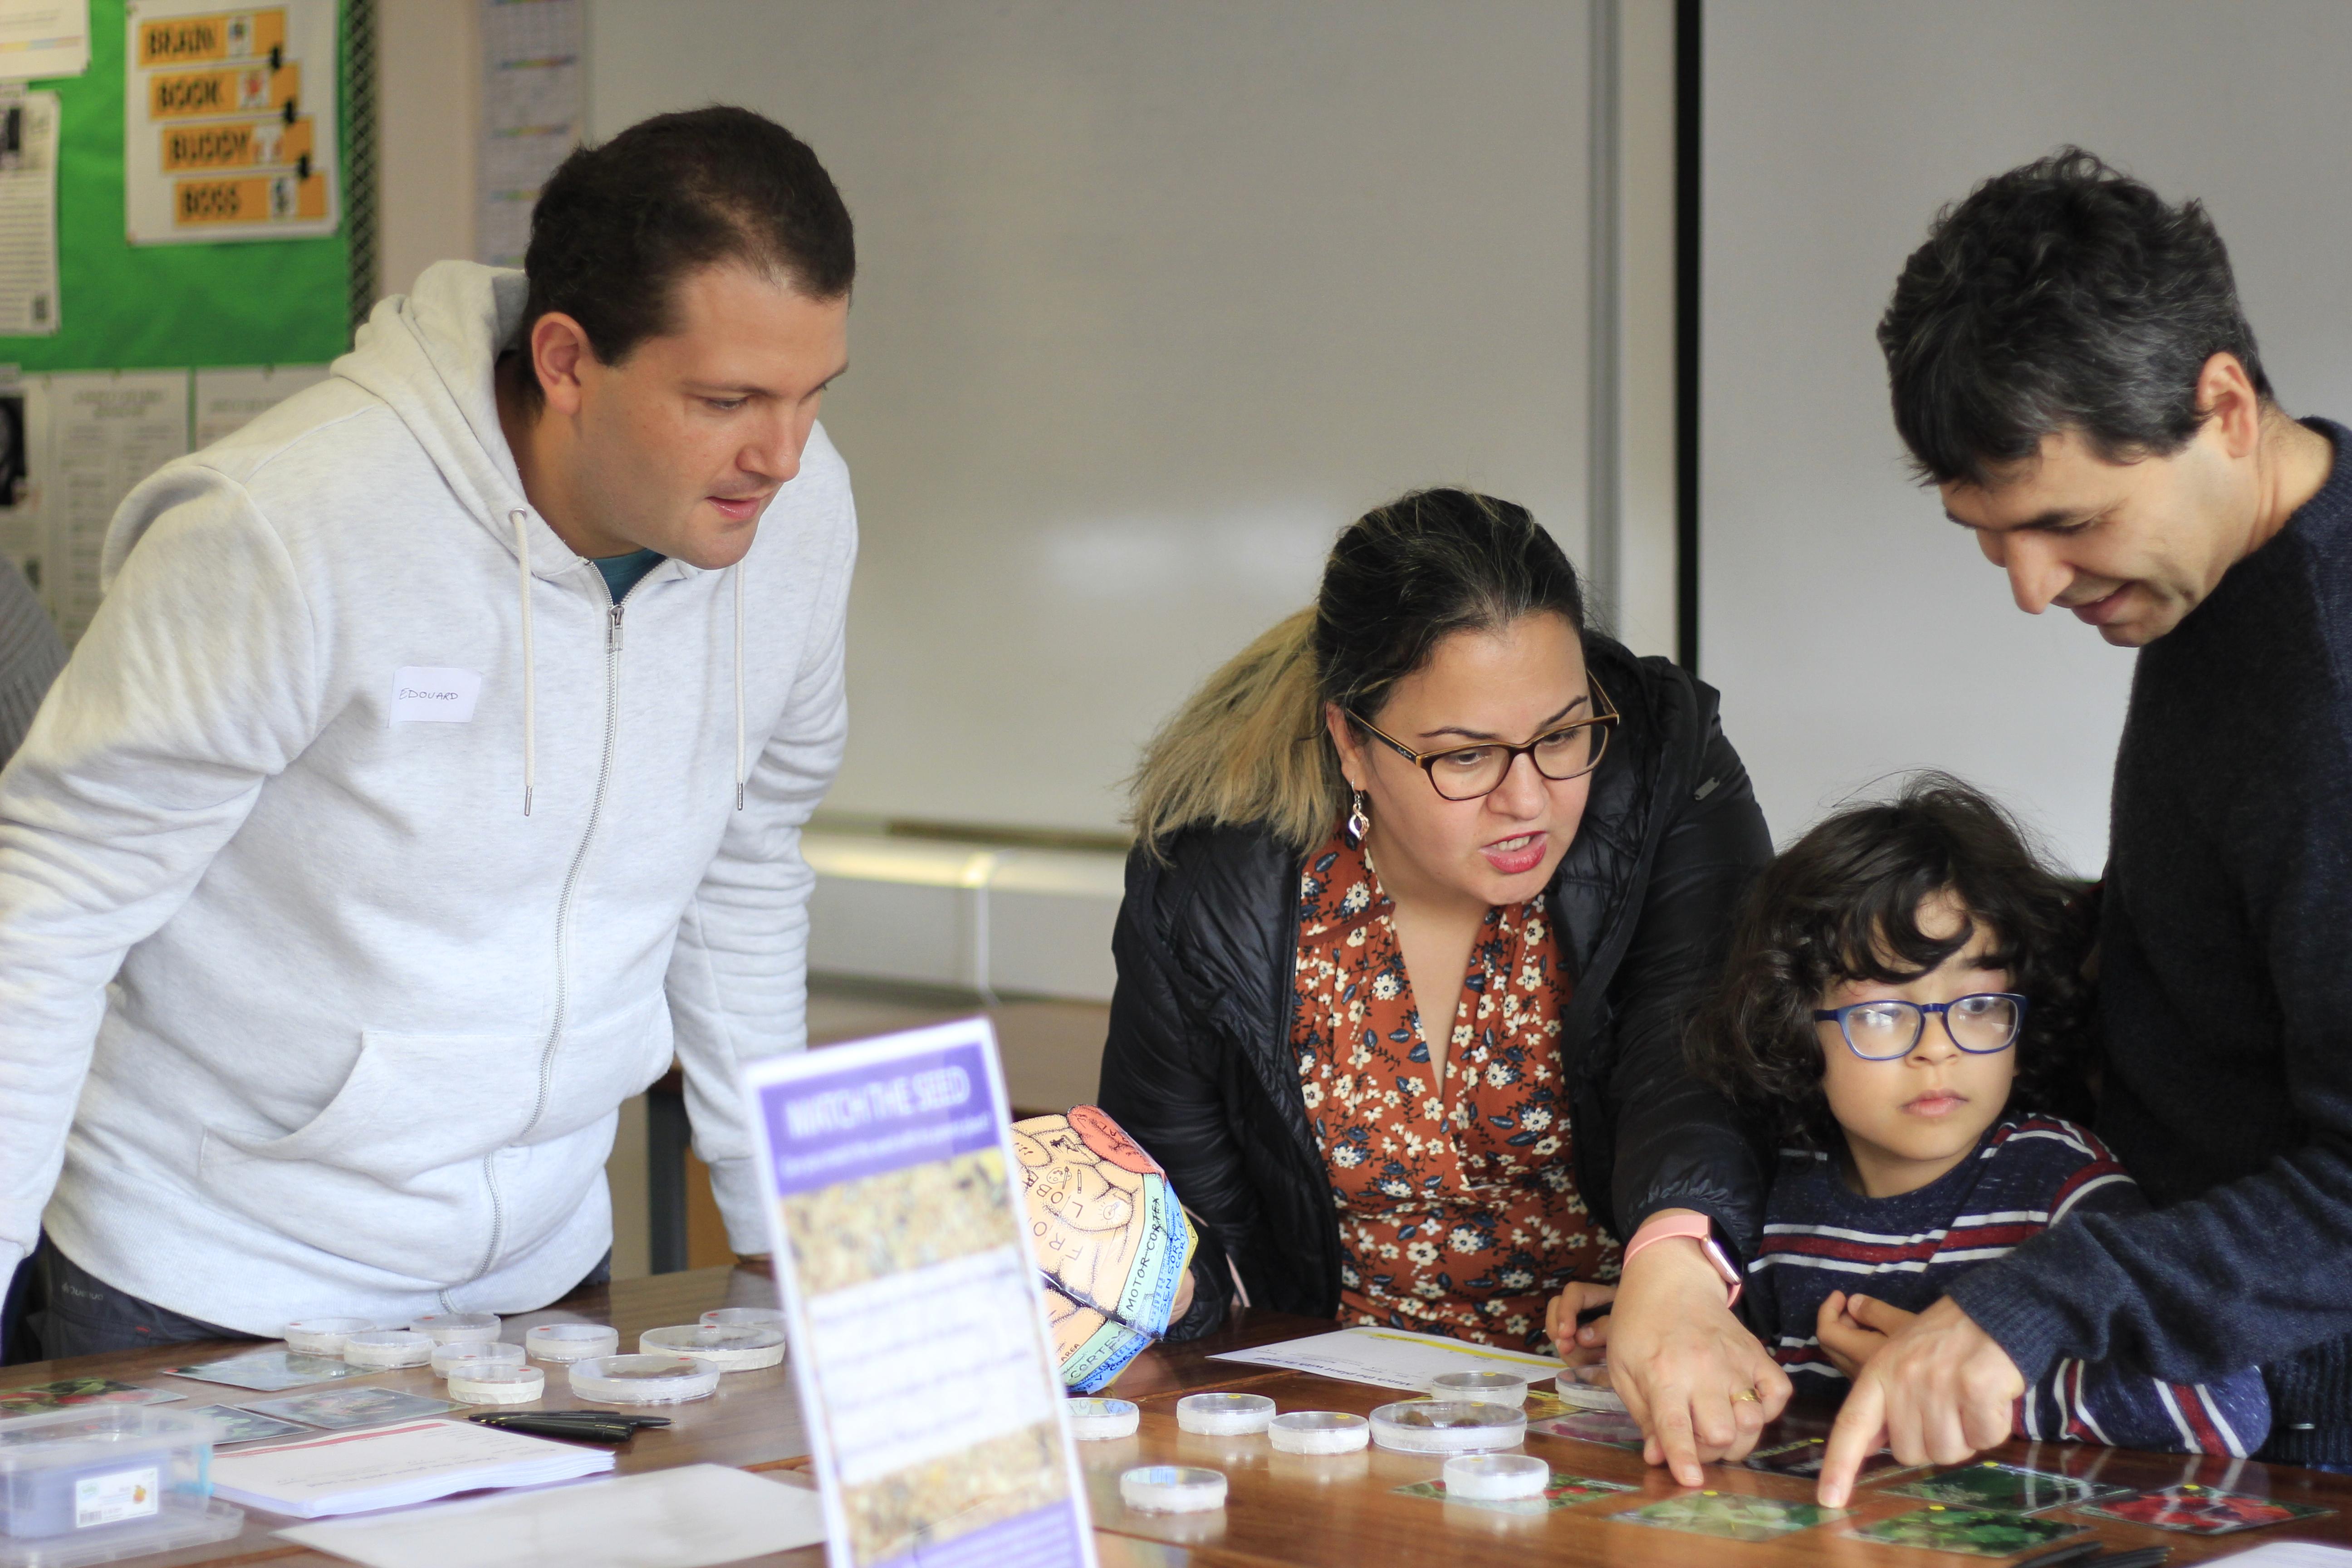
x=389, y=1172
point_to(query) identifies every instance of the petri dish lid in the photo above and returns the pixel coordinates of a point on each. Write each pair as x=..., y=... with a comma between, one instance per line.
x=644, y=1379
x=729, y=1347
x=1490, y=1477
x=496, y=1382
x=475, y=1352
x=1448, y=1426
x=1493, y=1387
x=1171, y=1489
x=745, y=1316
x=571, y=1341
x=1224, y=1415
x=449, y=1328
x=1101, y=1420
x=323, y=1336
x=1318, y=1432
x=388, y=1347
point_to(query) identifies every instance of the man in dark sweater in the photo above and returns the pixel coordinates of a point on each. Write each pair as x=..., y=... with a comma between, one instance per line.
x=2071, y=368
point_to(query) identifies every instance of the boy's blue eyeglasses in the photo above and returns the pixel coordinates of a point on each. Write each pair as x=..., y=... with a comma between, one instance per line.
x=1980, y=1024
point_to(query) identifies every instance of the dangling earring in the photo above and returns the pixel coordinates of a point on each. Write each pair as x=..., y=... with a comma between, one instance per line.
x=1360, y=820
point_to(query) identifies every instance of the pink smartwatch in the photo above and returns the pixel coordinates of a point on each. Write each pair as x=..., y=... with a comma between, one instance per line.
x=1699, y=1229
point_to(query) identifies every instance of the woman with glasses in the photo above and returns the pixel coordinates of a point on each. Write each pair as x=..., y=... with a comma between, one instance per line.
x=1902, y=1005
x=1426, y=878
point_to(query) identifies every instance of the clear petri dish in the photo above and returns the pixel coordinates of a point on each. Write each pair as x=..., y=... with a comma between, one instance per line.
x=1224, y=1415
x=1492, y=1387
x=1448, y=1426
x=1318, y=1432
x=496, y=1382
x=745, y=1318
x=571, y=1341
x=448, y=1327
x=479, y=1353
x=1496, y=1477
x=644, y=1379
x=725, y=1346
x=1173, y=1488
x=323, y=1336
x=376, y=1349
x=1101, y=1420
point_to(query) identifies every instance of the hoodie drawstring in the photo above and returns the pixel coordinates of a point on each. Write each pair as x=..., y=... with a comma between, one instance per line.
x=522, y=520
x=737, y=572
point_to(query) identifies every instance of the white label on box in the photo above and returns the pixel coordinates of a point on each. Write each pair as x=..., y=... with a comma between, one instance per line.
x=111, y=1498
x=423, y=694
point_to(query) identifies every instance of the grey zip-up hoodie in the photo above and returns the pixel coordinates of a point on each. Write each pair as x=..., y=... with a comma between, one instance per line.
x=373, y=1019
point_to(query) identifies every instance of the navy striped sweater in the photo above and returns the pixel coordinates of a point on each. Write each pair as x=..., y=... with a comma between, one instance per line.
x=2026, y=1176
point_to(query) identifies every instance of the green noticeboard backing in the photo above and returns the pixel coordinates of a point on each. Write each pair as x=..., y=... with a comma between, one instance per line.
x=283, y=301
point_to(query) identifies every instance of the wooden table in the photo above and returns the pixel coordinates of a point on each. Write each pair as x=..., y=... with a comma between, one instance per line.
x=1284, y=1510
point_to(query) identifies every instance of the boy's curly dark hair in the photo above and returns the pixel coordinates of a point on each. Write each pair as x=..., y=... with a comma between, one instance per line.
x=1843, y=903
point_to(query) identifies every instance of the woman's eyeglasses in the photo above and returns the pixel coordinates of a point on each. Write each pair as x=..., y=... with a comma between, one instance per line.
x=1469, y=772
x=1981, y=1025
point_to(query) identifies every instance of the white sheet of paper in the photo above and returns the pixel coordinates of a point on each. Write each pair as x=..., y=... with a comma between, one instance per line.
x=2290, y=1554
x=1390, y=1358
x=226, y=400
x=686, y=1518
x=532, y=109
x=107, y=432
x=28, y=215
x=43, y=39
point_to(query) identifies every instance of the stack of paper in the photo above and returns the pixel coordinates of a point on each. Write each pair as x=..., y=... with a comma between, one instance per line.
x=393, y=1467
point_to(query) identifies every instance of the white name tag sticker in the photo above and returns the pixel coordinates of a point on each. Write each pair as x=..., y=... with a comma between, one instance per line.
x=423, y=695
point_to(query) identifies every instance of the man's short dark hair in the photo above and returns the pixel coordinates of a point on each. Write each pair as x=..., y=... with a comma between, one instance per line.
x=618, y=225
x=2059, y=295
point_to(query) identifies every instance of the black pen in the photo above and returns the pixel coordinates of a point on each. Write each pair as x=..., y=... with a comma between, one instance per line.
x=1592, y=1314
x=2138, y=1557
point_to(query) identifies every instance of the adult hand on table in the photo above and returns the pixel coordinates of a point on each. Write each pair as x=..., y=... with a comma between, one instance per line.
x=1689, y=1371
x=1939, y=1390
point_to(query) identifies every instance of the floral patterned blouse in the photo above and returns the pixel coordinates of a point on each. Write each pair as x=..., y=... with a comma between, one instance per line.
x=1457, y=1204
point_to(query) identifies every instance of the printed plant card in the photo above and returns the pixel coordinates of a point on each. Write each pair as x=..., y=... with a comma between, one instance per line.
x=1731, y=1516
x=932, y=1390
x=1977, y=1532
x=271, y=1372
x=1606, y=1426
x=1563, y=1490
x=244, y=1426
x=1801, y=1457
x=73, y=1392
x=2202, y=1510
x=1107, y=1231
x=335, y=1409
x=2005, y=1489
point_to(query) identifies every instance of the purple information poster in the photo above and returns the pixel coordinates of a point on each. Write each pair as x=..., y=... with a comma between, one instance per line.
x=931, y=1388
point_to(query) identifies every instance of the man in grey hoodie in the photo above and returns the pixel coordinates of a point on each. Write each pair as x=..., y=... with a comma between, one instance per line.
x=434, y=772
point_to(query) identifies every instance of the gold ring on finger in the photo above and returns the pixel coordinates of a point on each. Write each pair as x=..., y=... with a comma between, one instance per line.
x=1748, y=1397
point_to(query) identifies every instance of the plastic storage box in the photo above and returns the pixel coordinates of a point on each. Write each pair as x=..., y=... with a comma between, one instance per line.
x=99, y=1485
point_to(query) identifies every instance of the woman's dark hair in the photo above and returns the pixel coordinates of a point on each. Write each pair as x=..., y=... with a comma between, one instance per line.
x=619, y=224
x=1250, y=747
x=2059, y=295
x=1843, y=903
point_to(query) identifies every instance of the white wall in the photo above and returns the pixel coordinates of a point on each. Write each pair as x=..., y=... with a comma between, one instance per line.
x=1152, y=300
x=428, y=84
x=1852, y=630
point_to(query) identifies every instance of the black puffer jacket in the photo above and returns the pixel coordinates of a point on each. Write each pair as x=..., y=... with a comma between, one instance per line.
x=1199, y=1067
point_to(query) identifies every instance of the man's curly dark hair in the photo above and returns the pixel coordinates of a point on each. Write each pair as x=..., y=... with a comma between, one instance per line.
x=1844, y=902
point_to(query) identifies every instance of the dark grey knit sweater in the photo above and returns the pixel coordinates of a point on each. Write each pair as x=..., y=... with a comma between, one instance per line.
x=2226, y=1000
